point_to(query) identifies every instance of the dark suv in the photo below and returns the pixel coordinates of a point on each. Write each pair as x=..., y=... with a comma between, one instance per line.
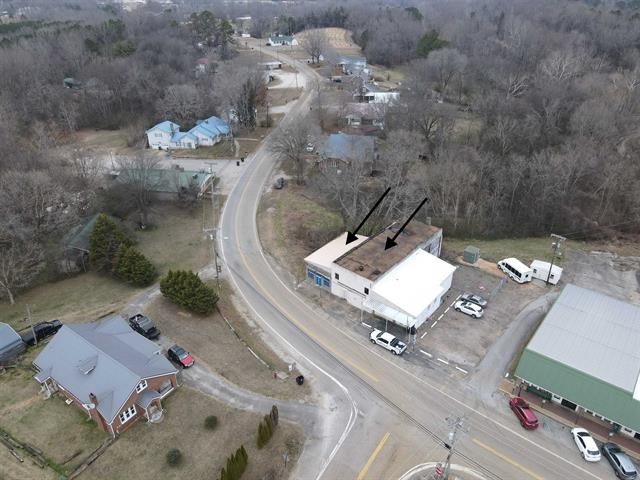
x=41, y=330
x=620, y=462
x=144, y=326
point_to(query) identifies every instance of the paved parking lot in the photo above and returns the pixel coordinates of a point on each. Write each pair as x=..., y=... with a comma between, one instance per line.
x=464, y=340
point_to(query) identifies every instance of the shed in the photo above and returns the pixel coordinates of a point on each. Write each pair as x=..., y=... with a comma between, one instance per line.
x=76, y=245
x=471, y=254
x=11, y=345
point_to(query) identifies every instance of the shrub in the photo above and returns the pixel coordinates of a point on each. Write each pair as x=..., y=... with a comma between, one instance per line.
x=236, y=465
x=265, y=430
x=211, y=422
x=104, y=241
x=274, y=415
x=185, y=288
x=133, y=267
x=174, y=457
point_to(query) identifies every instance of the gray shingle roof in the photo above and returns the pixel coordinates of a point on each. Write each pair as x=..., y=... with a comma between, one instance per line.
x=106, y=358
x=348, y=147
x=594, y=334
x=11, y=345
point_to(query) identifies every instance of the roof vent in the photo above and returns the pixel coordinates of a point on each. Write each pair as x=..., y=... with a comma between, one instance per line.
x=361, y=268
x=87, y=365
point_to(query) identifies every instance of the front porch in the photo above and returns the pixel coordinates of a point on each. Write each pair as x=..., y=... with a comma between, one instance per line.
x=150, y=401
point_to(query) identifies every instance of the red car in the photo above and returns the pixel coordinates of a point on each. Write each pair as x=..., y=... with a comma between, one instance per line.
x=526, y=416
x=180, y=356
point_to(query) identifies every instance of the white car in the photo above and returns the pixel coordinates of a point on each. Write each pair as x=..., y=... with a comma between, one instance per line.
x=586, y=444
x=388, y=341
x=469, y=308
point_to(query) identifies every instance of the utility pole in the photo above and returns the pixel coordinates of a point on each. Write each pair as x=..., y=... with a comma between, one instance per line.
x=33, y=332
x=557, y=242
x=456, y=425
x=214, y=214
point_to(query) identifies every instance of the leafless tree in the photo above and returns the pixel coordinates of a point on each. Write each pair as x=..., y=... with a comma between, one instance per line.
x=444, y=64
x=137, y=173
x=21, y=260
x=315, y=44
x=180, y=102
x=289, y=144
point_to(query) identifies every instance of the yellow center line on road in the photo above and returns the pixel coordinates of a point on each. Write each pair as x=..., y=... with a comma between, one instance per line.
x=507, y=459
x=373, y=456
x=289, y=316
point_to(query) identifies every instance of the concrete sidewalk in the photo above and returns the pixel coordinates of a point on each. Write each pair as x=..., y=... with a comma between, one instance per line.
x=570, y=418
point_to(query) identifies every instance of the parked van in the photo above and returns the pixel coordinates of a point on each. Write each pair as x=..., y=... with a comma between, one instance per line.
x=516, y=270
x=541, y=271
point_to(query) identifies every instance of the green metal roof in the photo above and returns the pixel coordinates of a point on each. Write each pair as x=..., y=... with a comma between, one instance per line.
x=78, y=238
x=170, y=180
x=580, y=388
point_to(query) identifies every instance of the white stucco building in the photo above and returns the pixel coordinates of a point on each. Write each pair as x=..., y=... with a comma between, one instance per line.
x=404, y=285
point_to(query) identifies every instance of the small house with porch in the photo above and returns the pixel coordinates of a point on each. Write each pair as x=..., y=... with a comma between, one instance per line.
x=282, y=40
x=105, y=369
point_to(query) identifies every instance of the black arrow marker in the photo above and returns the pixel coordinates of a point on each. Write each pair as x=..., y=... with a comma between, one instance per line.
x=351, y=237
x=391, y=242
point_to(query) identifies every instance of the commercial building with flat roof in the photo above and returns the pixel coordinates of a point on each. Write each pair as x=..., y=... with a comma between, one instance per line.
x=404, y=284
x=586, y=356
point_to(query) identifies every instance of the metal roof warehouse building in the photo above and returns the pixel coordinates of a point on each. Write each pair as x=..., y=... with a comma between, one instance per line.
x=586, y=356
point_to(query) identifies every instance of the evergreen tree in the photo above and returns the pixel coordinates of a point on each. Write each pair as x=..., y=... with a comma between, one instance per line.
x=223, y=474
x=429, y=42
x=185, y=288
x=274, y=415
x=104, y=241
x=133, y=267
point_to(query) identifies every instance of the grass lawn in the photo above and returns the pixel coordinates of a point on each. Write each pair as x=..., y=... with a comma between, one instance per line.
x=294, y=233
x=213, y=344
x=28, y=417
x=224, y=149
x=177, y=241
x=140, y=452
x=531, y=248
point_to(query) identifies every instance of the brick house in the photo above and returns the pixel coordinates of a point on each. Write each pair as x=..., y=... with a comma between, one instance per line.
x=107, y=370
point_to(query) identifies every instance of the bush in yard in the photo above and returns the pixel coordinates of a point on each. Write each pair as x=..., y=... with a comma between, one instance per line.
x=274, y=415
x=211, y=422
x=174, y=457
x=185, y=288
x=265, y=431
x=104, y=241
x=236, y=465
x=133, y=267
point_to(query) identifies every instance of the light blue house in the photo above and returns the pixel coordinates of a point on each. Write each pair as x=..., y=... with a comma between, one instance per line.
x=160, y=136
x=207, y=132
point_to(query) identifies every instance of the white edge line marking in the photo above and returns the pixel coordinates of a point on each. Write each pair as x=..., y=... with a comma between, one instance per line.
x=354, y=409
x=452, y=303
x=446, y=310
x=457, y=298
x=442, y=361
x=434, y=324
x=423, y=335
x=441, y=315
x=426, y=353
x=461, y=369
x=415, y=377
x=366, y=325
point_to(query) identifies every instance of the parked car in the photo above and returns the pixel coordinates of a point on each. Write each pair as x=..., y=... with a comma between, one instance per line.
x=180, y=356
x=620, y=462
x=526, y=416
x=279, y=183
x=42, y=330
x=388, y=341
x=144, y=326
x=586, y=444
x=469, y=308
x=473, y=298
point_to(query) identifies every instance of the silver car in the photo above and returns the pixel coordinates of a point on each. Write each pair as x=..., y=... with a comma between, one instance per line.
x=473, y=298
x=469, y=308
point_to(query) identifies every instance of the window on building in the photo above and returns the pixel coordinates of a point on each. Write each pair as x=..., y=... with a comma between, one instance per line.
x=337, y=276
x=141, y=386
x=158, y=135
x=366, y=291
x=127, y=414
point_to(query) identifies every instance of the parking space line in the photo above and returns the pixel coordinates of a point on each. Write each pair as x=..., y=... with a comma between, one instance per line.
x=426, y=353
x=457, y=298
x=366, y=325
x=452, y=303
x=434, y=324
x=423, y=335
x=461, y=370
x=446, y=310
x=441, y=315
x=442, y=361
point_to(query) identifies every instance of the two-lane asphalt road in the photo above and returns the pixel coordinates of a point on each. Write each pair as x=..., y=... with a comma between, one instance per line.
x=383, y=418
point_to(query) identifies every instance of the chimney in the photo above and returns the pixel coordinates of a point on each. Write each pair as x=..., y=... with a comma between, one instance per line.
x=93, y=399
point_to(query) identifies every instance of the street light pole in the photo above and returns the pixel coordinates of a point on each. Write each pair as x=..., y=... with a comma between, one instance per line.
x=556, y=244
